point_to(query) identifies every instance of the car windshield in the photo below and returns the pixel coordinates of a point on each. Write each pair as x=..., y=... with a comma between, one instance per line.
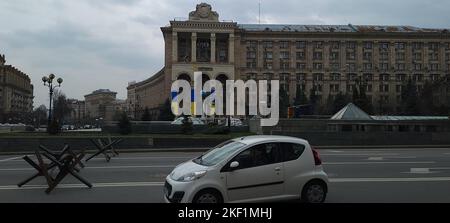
x=219, y=153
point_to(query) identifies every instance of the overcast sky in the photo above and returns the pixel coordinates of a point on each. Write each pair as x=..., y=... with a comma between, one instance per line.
x=96, y=44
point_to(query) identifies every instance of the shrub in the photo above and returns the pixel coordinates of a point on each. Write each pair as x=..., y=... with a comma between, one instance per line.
x=124, y=124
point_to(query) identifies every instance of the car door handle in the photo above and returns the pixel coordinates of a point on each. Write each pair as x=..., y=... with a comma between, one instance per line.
x=278, y=169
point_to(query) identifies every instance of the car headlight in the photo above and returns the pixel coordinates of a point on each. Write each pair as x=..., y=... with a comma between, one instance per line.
x=192, y=176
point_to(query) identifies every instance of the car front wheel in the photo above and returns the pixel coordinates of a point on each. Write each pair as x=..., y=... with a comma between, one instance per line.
x=208, y=196
x=314, y=192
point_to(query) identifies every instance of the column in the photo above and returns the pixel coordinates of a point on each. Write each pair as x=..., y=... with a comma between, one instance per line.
x=194, y=48
x=213, y=48
x=231, y=48
x=174, y=47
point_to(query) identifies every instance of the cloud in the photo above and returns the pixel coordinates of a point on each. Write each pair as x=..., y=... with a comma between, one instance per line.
x=104, y=44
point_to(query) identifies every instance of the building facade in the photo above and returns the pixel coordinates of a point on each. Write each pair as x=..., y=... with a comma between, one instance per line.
x=103, y=105
x=16, y=93
x=78, y=111
x=325, y=59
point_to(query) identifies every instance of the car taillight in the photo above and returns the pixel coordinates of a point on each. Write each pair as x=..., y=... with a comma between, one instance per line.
x=317, y=159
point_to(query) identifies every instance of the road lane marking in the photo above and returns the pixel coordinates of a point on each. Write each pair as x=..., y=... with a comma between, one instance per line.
x=10, y=159
x=352, y=163
x=100, y=167
x=115, y=158
x=416, y=179
x=359, y=154
x=375, y=158
x=95, y=185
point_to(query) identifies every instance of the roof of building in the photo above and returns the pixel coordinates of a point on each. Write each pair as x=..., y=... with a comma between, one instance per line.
x=338, y=28
x=351, y=112
x=408, y=118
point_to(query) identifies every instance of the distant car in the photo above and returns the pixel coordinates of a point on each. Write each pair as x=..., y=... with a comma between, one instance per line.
x=250, y=169
x=233, y=122
x=194, y=120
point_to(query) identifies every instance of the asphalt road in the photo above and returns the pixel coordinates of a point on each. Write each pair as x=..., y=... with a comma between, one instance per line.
x=356, y=175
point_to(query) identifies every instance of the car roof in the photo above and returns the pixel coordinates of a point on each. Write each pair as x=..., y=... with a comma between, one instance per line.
x=262, y=138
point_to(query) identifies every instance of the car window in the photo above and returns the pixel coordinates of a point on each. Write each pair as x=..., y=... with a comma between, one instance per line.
x=259, y=155
x=292, y=151
x=219, y=153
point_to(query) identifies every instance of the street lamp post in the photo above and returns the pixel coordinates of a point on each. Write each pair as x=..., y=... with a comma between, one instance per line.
x=48, y=81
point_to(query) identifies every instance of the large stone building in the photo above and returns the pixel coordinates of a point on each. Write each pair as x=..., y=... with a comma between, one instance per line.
x=102, y=104
x=327, y=58
x=78, y=111
x=16, y=93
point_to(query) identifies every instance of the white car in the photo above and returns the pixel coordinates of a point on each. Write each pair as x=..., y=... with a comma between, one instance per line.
x=194, y=120
x=250, y=169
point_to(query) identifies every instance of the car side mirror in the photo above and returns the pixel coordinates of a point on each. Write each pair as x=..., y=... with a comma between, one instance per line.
x=234, y=165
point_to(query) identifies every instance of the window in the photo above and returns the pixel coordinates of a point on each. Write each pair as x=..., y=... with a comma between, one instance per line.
x=417, y=46
x=351, y=77
x=384, y=77
x=384, y=66
x=268, y=55
x=433, y=56
x=400, y=56
x=317, y=55
x=284, y=44
x=351, y=67
x=219, y=153
x=400, y=66
x=334, y=56
x=434, y=67
x=367, y=56
x=435, y=77
x=335, y=77
x=259, y=155
x=418, y=77
x=268, y=65
x=417, y=66
x=369, y=89
x=251, y=64
x=300, y=77
x=284, y=65
x=291, y=151
x=317, y=66
x=368, y=45
x=335, y=66
x=417, y=56
x=398, y=88
x=301, y=66
x=368, y=77
x=384, y=46
x=447, y=46
x=334, y=87
x=351, y=45
x=433, y=46
x=251, y=55
x=400, y=45
x=334, y=45
x=367, y=66
x=252, y=44
x=268, y=44
x=318, y=44
x=284, y=55
x=384, y=56
x=318, y=77
x=300, y=44
x=400, y=77
x=351, y=55
x=384, y=88
x=300, y=55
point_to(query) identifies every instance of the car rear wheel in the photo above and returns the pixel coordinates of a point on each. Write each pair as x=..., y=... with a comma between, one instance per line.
x=314, y=192
x=208, y=196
